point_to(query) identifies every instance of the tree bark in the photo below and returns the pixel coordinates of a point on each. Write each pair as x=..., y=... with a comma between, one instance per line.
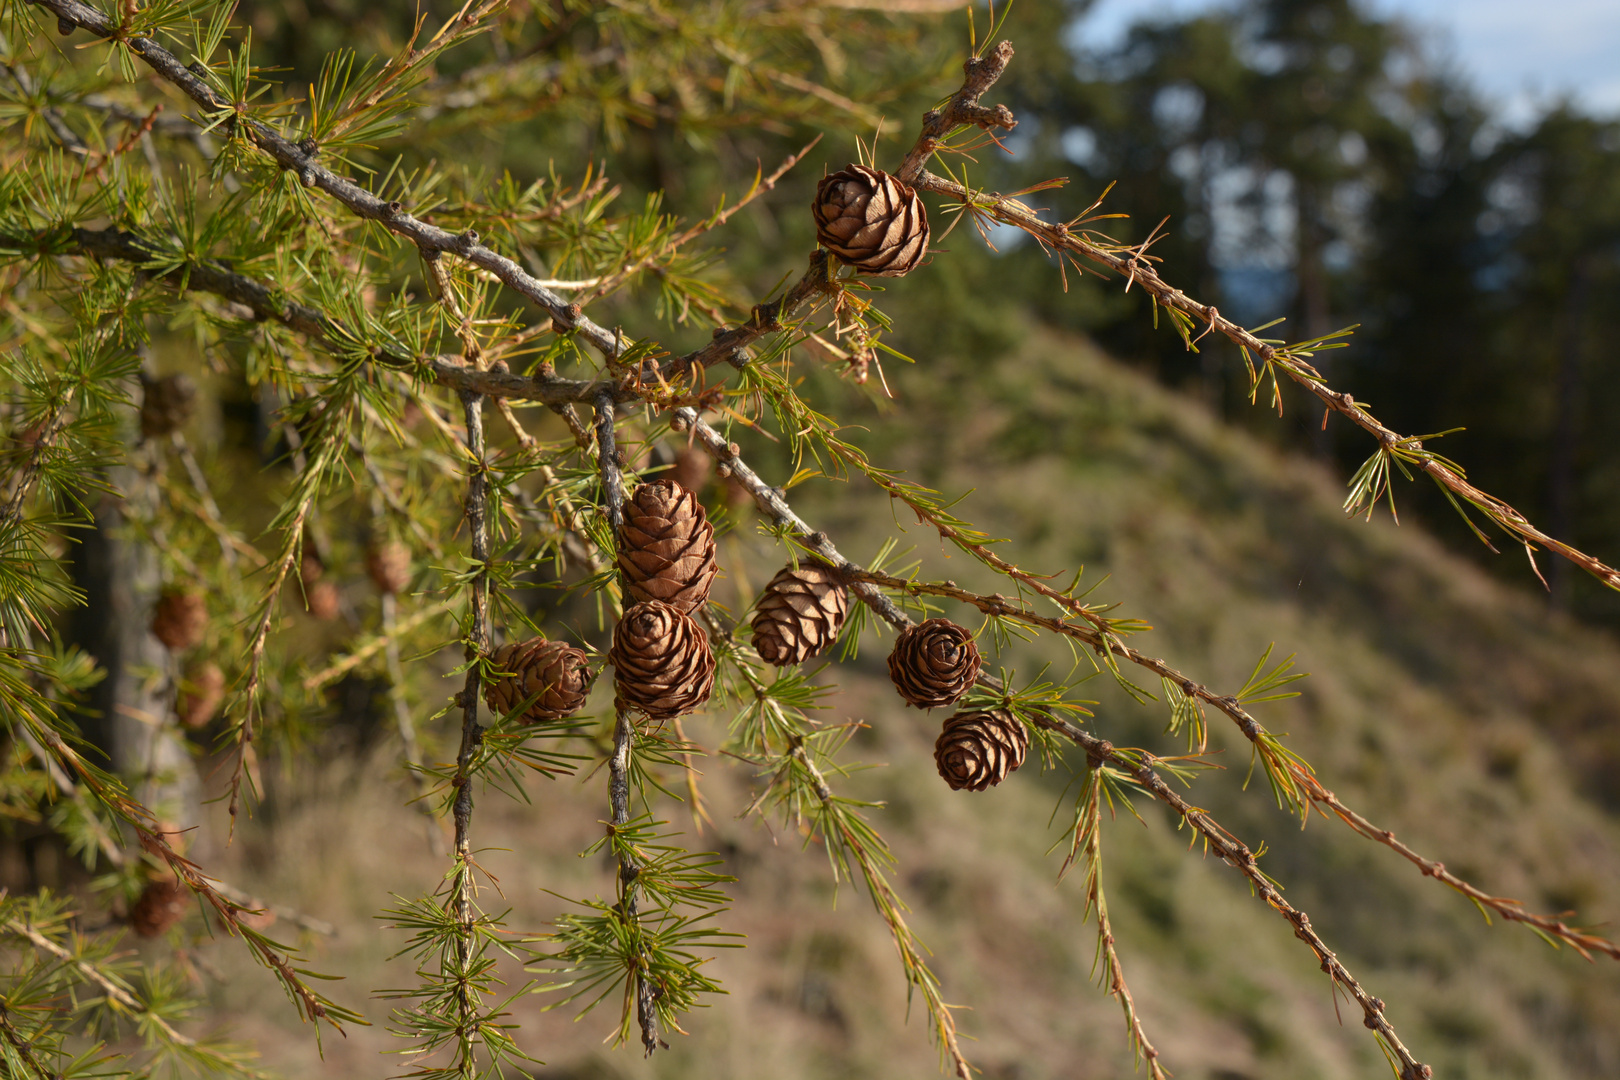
x=132, y=716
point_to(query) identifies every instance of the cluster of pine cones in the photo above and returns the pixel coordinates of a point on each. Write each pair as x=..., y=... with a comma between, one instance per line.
x=933, y=663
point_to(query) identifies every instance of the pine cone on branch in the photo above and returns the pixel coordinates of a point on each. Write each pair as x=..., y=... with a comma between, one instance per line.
x=166, y=405
x=202, y=691
x=799, y=614
x=666, y=546
x=321, y=598
x=180, y=618
x=162, y=904
x=977, y=750
x=661, y=661
x=389, y=566
x=871, y=221
x=933, y=663
x=555, y=671
x=693, y=466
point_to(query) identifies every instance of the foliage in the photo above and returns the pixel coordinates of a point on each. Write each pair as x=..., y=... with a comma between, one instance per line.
x=1318, y=159
x=303, y=243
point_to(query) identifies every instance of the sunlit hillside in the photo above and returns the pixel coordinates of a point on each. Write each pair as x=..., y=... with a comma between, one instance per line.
x=1439, y=704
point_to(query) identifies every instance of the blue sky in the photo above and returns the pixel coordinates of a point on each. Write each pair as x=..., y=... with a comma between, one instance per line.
x=1521, y=53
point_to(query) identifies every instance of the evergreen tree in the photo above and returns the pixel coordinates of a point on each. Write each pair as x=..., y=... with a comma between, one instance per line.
x=485, y=388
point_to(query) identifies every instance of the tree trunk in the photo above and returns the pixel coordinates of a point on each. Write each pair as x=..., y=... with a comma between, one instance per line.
x=132, y=719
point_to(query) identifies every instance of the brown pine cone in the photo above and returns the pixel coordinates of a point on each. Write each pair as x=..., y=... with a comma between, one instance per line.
x=799, y=614
x=661, y=661
x=202, y=690
x=167, y=405
x=933, y=663
x=322, y=599
x=557, y=672
x=977, y=750
x=162, y=904
x=389, y=565
x=692, y=468
x=871, y=221
x=666, y=546
x=179, y=618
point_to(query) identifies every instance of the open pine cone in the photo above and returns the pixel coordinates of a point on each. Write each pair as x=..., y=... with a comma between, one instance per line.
x=556, y=671
x=977, y=750
x=933, y=663
x=871, y=221
x=799, y=614
x=666, y=546
x=162, y=904
x=167, y=404
x=661, y=661
x=179, y=618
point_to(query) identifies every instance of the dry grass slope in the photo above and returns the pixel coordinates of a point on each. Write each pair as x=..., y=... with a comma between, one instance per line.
x=1440, y=704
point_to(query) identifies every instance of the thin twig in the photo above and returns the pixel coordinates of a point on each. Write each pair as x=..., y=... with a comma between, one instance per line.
x=1214, y=835
x=113, y=988
x=303, y=162
x=391, y=632
x=718, y=218
x=464, y=886
x=1295, y=777
x=1097, y=902
x=252, y=903
x=1132, y=264
x=889, y=906
x=624, y=731
x=410, y=748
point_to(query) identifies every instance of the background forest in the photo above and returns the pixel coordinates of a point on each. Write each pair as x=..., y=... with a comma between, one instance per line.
x=1315, y=163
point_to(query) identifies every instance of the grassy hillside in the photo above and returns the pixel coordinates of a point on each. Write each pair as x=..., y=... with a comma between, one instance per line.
x=1440, y=704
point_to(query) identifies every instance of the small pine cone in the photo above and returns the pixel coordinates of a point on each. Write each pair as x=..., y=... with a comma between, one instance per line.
x=323, y=600
x=871, y=221
x=666, y=546
x=661, y=661
x=167, y=406
x=180, y=618
x=310, y=568
x=389, y=565
x=799, y=614
x=557, y=672
x=162, y=904
x=933, y=663
x=202, y=690
x=692, y=468
x=978, y=749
